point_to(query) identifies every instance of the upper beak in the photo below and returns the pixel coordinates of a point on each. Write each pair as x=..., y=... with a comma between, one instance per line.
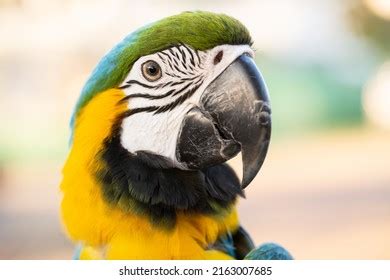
x=234, y=115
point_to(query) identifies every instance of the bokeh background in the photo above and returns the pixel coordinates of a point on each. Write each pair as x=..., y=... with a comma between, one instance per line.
x=324, y=190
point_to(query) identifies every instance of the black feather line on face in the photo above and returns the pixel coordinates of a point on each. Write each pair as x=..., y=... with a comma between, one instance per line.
x=197, y=55
x=147, y=96
x=147, y=184
x=183, y=53
x=172, y=75
x=162, y=59
x=131, y=82
x=191, y=54
x=176, y=67
x=183, y=57
x=177, y=102
x=131, y=112
x=164, y=108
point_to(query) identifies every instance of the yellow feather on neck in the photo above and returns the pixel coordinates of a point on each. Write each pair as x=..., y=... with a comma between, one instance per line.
x=104, y=228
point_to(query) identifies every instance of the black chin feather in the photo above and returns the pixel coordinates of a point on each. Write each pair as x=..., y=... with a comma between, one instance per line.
x=148, y=184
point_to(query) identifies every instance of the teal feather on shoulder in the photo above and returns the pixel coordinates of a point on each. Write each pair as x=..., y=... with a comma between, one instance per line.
x=269, y=251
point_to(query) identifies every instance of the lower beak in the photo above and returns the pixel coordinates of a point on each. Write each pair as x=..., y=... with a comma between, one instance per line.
x=234, y=115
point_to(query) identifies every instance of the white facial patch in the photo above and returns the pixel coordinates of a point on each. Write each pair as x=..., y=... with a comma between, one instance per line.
x=157, y=109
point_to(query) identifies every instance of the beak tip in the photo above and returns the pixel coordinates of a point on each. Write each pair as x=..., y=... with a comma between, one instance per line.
x=253, y=159
x=245, y=182
x=247, y=177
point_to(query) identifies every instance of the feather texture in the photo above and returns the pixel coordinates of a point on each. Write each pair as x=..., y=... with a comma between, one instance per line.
x=104, y=228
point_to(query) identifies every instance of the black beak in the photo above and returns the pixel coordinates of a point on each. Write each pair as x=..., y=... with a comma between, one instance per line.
x=234, y=116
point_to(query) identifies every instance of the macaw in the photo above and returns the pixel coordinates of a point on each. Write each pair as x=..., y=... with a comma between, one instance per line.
x=156, y=121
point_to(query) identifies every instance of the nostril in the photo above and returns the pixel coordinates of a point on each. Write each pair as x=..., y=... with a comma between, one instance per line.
x=218, y=57
x=264, y=118
x=262, y=112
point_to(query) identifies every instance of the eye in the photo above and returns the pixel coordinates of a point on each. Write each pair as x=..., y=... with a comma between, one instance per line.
x=151, y=70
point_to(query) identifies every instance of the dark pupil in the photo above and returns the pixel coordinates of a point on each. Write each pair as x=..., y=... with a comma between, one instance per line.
x=152, y=69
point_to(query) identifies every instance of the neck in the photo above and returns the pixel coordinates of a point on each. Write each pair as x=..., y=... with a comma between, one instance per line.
x=146, y=184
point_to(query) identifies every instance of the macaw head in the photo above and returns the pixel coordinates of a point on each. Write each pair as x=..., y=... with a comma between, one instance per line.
x=193, y=99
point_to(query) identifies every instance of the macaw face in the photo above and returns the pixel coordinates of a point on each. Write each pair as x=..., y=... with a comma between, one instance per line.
x=198, y=108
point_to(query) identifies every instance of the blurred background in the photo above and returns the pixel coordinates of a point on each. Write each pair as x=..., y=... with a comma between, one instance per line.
x=324, y=190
